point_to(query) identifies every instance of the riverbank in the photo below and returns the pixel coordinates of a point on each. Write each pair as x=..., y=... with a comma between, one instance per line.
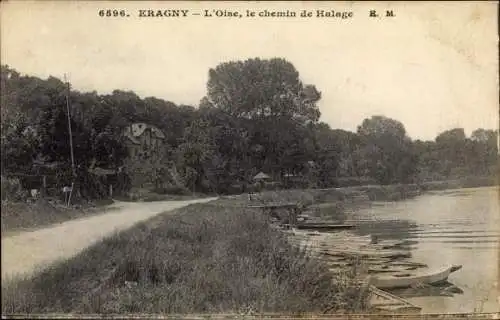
x=205, y=258
x=357, y=194
x=465, y=183
x=21, y=216
x=245, y=260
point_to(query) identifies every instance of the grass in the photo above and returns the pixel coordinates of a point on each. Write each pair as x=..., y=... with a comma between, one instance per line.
x=332, y=195
x=203, y=259
x=17, y=216
x=358, y=194
x=468, y=182
x=143, y=194
x=22, y=215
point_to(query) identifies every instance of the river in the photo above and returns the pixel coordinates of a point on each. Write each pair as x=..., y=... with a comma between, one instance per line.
x=453, y=226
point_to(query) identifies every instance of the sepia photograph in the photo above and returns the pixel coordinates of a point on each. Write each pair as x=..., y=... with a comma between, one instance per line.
x=257, y=159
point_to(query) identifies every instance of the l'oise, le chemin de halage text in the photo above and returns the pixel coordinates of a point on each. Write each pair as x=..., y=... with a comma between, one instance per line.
x=319, y=13
x=282, y=14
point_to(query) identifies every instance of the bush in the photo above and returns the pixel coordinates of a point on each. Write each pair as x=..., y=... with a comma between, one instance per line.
x=473, y=182
x=175, y=190
x=12, y=189
x=355, y=181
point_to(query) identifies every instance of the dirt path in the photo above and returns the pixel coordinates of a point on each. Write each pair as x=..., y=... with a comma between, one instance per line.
x=26, y=252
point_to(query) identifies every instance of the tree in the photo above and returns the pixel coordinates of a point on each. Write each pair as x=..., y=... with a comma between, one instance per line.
x=272, y=106
x=194, y=151
x=389, y=150
x=482, y=151
x=451, y=146
x=258, y=88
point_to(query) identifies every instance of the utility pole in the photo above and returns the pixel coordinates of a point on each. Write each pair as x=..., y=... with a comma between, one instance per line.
x=69, y=127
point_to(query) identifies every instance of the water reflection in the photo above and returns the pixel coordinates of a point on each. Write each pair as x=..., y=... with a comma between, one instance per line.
x=455, y=227
x=387, y=229
x=445, y=289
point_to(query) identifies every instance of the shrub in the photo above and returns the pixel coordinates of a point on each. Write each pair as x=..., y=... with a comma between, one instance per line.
x=175, y=190
x=12, y=189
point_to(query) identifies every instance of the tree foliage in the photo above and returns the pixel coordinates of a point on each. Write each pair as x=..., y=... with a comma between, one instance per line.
x=257, y=116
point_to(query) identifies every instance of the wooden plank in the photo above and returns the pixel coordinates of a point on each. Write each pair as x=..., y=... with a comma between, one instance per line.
x=385, y=301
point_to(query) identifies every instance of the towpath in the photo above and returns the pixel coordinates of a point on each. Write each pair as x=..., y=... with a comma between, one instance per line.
x=26, y=252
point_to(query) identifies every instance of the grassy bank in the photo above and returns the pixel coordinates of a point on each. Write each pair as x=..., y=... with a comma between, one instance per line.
x=362, y=193
x=18, y=216
x=147, y=195
x=203, y=259
x=470, y=182
x=349, y=194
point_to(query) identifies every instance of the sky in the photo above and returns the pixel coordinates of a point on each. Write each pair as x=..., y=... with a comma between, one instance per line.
x=433, y=66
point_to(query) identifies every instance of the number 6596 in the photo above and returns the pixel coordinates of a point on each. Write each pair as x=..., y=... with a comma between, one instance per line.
x=112, y=13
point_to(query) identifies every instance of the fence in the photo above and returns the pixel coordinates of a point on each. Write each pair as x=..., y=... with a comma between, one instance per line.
x=45, y=185
x=89, y=185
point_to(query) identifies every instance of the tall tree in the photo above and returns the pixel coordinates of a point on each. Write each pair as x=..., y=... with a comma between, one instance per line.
x=389, y=150
x=271, y=95
x=258, y=88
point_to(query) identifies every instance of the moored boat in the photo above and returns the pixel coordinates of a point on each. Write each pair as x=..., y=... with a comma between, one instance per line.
x=408, y=279
x=324, y=226
x=393, y=254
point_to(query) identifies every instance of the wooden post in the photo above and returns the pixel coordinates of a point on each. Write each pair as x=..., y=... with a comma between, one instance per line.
x=110, y=190
x=70, y=192
x=292, y=217
x=69, y=128
x=44, y=189
x=294, y=213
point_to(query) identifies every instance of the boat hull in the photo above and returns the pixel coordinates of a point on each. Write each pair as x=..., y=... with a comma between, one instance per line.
x=321, y=226
x=402, y=281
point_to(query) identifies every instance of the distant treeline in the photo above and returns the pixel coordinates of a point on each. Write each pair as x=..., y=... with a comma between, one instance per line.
x=256, y=116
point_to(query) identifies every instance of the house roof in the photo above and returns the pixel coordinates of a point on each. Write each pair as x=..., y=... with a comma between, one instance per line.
x=137, y=129
x=261, y=175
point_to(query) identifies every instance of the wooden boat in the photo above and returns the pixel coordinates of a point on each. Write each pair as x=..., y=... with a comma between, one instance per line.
x=323, y=226
x=408, y=279
x=393, y=254
x=385, y=302
x=387, y=268
x=303, y=217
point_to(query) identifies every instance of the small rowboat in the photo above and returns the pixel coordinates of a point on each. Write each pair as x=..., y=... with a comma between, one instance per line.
x=393, y=254
x=324, y=226
x=408, y=279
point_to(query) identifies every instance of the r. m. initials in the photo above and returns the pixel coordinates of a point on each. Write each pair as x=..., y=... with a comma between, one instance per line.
x=388, y=13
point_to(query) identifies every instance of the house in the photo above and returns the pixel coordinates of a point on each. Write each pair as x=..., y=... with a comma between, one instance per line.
x=146, y=147
x=264, y=181
x=261, y=177
x=143, y=140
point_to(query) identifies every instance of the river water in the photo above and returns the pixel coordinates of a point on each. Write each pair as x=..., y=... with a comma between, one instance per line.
x=453, y=226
